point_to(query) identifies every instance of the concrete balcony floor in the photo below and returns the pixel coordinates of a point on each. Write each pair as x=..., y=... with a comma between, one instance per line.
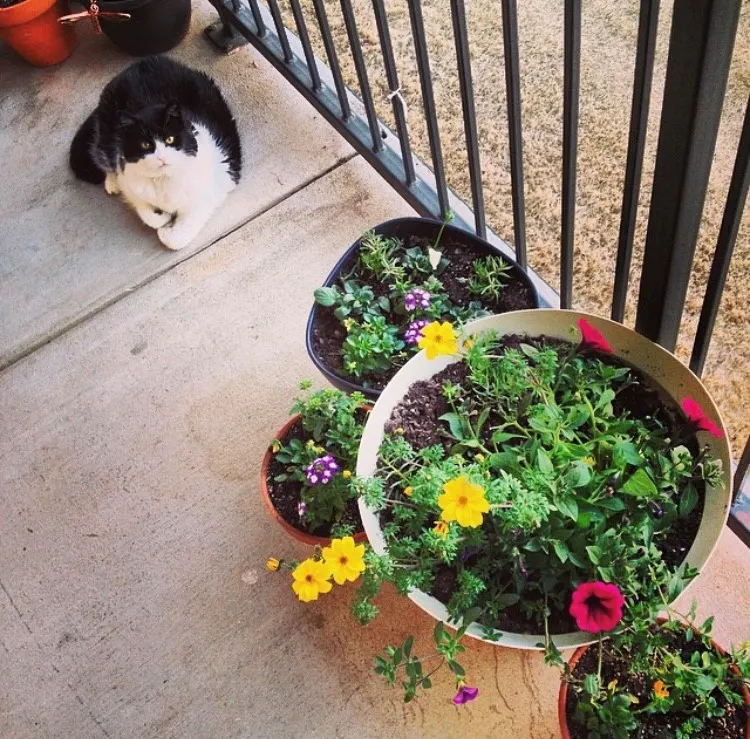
x=140, y=388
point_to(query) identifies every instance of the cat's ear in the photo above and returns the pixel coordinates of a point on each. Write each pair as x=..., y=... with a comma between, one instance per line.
x=172, y=112
x=126, y=119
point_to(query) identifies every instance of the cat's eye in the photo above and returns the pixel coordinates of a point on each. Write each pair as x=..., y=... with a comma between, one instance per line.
x=169, y=140
x=145, y=145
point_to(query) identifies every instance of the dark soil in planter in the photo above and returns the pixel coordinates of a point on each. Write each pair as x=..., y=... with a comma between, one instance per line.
x=730, y=726
x=329, y=335
x=418, y=415
x=285, y=495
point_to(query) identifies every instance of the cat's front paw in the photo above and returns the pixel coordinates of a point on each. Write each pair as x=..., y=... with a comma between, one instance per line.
x=174, y=238
x=111, y=185
x=155, y=218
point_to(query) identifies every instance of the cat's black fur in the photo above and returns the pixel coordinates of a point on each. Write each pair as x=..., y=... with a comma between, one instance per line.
x=153, y=97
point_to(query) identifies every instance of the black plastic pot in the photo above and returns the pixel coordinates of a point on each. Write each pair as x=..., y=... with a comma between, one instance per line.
x=401, y=228
x=155, y=26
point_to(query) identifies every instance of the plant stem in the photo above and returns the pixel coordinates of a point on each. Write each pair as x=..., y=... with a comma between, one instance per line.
x=599, y=662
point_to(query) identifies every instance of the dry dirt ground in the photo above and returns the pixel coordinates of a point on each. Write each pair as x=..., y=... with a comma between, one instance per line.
x=607, y=59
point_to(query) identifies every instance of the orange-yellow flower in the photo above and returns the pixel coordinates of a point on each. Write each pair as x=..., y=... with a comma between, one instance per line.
x=660, y=690
x=438, y=338
x=464, y=502
x=408, y=491
x=441, y=528
x=272, y=564
x=311, y=578
x=345, y=560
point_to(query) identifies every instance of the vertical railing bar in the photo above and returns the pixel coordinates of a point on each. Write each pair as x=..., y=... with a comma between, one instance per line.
x=463, y=59
x=743, y=468
x=257, y=17
x=428, y=99
x=515, y=135
x=359, y=64
x=644, y=68
x=571, y=89
x=333, y=60
x=397, y=99
x=304, y=37
x=273, y=6
x=730, y=225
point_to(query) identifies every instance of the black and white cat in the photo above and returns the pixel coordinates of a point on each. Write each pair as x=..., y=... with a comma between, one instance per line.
x=164, y=138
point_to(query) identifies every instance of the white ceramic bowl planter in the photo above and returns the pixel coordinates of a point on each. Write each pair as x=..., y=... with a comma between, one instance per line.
x=660, y=365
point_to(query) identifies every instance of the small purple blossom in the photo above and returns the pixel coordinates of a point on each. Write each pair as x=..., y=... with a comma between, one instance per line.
x=417, y=298
x=301, y=509
x=414, y=331
x=321, y=470
x=465, y=694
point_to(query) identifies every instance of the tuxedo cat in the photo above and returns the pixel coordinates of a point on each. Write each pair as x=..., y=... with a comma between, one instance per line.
x=163, y=137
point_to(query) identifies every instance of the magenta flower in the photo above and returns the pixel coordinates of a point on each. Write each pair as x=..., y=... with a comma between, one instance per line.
x=465, y=694
x=413, y=331
x=591, y=338
x=301, y=509
x=321, y=470
x=699, y=419
x=417, y=298
x=597, y=606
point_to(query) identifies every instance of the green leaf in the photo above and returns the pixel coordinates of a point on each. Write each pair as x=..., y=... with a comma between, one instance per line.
x=561, y=550
x=458, y=671
x=591, y=684
x=625, y=453
x=506, y=600
x=640, y=485
x=612, y=504
x=456, y=425
x=426, y=683
x=326, y=295
x=544, y=462
x=595, y=554
x=688, y=499
x=578, y=475
x=438, y=632
x=501, y=436
x=408, y=645
x=529, y=351
x=397, y=655
x=568, y=507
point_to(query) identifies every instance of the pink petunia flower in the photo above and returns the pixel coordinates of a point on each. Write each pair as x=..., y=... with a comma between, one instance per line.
x=699, y=419
x=465, y=694
x=597, y=606
x=591, y=338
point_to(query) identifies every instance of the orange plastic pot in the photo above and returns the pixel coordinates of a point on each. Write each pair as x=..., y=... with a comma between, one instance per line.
x=294, y=532
x=562, y=698
x=32, y=30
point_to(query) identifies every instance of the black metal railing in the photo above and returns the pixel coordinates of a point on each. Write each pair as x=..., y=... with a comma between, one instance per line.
x=700, y=51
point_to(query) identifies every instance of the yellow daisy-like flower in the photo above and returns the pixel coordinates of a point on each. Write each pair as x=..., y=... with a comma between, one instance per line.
x=437, y=339
x=345, y=559
x=311, y=578
x=660, y=690
x=346, y=474
x=272, y=564
x=408, y=491
x=464, y=502
x=441, y=528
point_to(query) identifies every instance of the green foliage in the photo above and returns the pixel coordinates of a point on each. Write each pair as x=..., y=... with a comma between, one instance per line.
x=333, y=424
x=489, y=278
x=371, y=346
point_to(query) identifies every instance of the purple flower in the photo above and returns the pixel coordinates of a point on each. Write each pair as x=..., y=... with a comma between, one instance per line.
x=417, y=298
x=301, y=509
x=321, y=470
x=414, y=331
x=465, y=694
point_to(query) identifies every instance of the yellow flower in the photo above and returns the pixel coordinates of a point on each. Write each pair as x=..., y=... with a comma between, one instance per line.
x=272, y=564
x=468, y=344
x=310, y=443
x=408, y=491
x=464, y=502
x=345, y=560
x=399, y=431
x=660, y=690
x=311, y=578
x=479, y=458
x=590, y=461
x=611, y=685
x=438, y=338
x=441, y=528
x=346, y=474
x=276, y=446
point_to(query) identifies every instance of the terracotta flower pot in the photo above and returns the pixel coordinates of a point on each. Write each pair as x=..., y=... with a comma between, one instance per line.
x=654, y=361
x=562, y=698
x=32, y=30
x=305, y=538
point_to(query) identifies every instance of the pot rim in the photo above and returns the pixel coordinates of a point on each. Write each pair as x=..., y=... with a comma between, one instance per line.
x=24, y=12
x=562, y=695
x=386, y=227
x=655, y=361
x=293, y=531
